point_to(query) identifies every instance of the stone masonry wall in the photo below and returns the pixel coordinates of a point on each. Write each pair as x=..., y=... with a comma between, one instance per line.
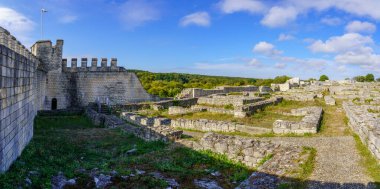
x=221, y=100
x=365, y=124
x=196, y=92
x=309, y=124
x=217, y=126
x=245, y=150
x=146, y=132
x=17, y=98
x=119, y=87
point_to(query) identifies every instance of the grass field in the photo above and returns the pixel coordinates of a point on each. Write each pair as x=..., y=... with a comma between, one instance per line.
x=72, y=143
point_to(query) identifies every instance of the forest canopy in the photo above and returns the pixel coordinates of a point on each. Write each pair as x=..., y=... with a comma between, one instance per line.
x=171, y=84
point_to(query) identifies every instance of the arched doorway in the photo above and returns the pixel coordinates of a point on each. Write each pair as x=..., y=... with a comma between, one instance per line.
x=54, y=104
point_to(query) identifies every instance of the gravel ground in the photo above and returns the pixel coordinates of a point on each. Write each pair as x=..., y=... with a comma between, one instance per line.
x=337, y=162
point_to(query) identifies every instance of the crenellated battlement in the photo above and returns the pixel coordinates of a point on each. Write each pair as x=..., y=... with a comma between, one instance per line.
x=9, y=41
x=93, y=67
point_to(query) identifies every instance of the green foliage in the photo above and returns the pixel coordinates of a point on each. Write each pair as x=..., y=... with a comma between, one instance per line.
x=323, y=78
x=281, y=79
x=370, y=77
x=229, y=107
x=71, y=143
x=368, y=161
x=367, y=78
x=170, y=84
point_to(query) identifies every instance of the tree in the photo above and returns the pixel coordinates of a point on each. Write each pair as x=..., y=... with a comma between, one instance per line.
x=359, y=78
x=369, y=78
x=323, y=78
x=378, y=79
x=281, y=79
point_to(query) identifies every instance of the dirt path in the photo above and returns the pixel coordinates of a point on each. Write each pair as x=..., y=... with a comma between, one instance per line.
x=337, y=162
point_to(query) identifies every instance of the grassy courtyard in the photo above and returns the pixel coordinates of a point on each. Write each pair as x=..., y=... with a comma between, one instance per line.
x=72, y=144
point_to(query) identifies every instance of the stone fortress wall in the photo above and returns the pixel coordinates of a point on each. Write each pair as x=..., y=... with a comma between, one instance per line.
x=73, y=86
x=40, y=80
x=20, y=87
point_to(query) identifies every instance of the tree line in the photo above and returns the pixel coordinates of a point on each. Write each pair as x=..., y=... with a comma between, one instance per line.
x=171, y=84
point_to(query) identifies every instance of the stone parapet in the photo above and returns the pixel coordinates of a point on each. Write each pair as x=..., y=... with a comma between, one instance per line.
x=93, y=66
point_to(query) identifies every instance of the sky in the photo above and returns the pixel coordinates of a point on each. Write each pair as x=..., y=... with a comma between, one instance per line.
x=244, y=38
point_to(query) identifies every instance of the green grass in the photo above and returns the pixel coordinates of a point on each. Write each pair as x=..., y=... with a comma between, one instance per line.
x=368, y=161
x=308, y=166
x=303, y=173
x=71, y=143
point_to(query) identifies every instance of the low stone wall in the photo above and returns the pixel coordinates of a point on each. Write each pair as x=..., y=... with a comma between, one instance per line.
x=222, y=100
x=329, y=100
x=178, y=110
x=213, y=109
x=247, y=151
x=197, y=92
x=145, y=121
x=309, y=124
x=299, y=97
x=249, y=109
x=180, y=102
x=217, y=126
x=163, y=133
x=364, y=124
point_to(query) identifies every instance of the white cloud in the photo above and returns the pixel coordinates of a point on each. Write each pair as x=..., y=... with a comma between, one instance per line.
x=285, y=37
x=254, y=62
x=331, y=21
x=266, y=48
x=19, y=25
x=282, y=12
x=344, y=43
x=250, y=6
x=358, y=58
x=280, y=65
x=135, y=13
x=358, y=26
x=198, y=18
x=66, y=19
x=279, y=16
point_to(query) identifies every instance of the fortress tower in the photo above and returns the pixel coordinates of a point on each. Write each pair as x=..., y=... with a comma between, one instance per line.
x=49, y=55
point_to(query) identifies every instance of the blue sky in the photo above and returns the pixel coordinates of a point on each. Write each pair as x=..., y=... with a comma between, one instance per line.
x=248, y=38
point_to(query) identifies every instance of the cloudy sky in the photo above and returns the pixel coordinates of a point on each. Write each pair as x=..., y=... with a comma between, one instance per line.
x=248, y=38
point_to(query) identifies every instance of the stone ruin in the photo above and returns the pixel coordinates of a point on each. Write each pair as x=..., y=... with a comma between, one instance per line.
x=309, y=123
x=39, y=79
x=45, y=82
x=365, y=124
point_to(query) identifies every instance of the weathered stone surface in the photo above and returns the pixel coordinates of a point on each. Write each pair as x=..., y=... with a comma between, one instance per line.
x=246, y=150
x=365, y=124
x=19, y=97
x=217, y=126
x=196, y=92
x=222, y=100
x=309, y=124
x=329, y=100
x=149, y=130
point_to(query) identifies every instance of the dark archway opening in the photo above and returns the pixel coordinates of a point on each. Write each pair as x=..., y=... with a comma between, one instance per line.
x=54, y=104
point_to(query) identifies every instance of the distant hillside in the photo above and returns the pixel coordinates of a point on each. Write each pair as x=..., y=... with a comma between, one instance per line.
x=170, y=84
